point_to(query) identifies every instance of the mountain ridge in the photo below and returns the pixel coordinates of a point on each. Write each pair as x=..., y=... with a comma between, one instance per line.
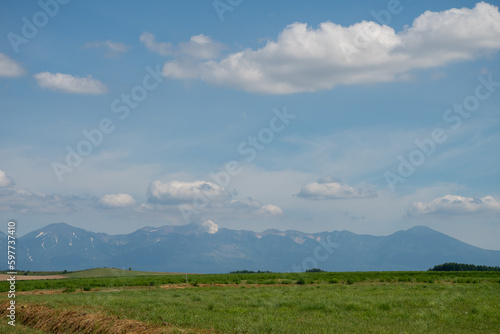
x=191, y=248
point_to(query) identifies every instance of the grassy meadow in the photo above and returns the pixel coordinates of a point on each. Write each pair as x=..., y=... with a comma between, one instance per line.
x=383, y=302
x=116, y=278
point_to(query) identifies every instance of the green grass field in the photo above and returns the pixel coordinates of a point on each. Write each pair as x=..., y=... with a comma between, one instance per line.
x=98, y=278
x=384, y=302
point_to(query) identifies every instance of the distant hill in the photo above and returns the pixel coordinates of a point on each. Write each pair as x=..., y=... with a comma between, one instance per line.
x=110, y=272
x=190, y=249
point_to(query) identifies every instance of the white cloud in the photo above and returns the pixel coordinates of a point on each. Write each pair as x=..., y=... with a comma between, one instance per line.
x=67, y=83
x=9, y=67
x=201, y=47
x=455, y=205
x=198, y=199
x=210, y=226
x=150, y=42
x=271, y=209
x=178, y=192
x=180, y=69
x=331, y=188
x=116, y=201
x=304, y=59
x=5, y=181
x=112, y=47
x=198, y=47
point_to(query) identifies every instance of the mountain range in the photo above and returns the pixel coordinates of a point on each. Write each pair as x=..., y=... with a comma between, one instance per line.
x=191, y=248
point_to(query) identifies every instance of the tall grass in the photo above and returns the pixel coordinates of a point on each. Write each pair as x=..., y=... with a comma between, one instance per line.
x=325, y=308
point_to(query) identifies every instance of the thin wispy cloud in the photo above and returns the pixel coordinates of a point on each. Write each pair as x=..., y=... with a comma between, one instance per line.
x=112, y=48
x=455, y=205
x=252, y=206
x=178, y=192
x=162, y=48
x=198, y=47
x=27, y=202
x=67, y=83
x=23, y=201
x=328, y=188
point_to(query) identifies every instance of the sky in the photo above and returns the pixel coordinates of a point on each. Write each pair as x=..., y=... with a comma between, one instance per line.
x=367, y=116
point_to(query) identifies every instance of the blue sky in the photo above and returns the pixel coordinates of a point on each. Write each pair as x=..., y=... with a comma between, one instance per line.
x=368, y=116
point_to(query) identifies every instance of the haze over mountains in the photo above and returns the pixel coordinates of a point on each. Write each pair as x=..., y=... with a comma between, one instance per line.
x=191, y=248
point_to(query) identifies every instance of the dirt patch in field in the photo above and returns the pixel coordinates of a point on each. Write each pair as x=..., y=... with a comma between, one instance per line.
x=29, y=277
x=78, y=321
x=40, y=292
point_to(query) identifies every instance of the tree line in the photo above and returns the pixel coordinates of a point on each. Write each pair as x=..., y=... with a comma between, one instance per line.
x=452, y=266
